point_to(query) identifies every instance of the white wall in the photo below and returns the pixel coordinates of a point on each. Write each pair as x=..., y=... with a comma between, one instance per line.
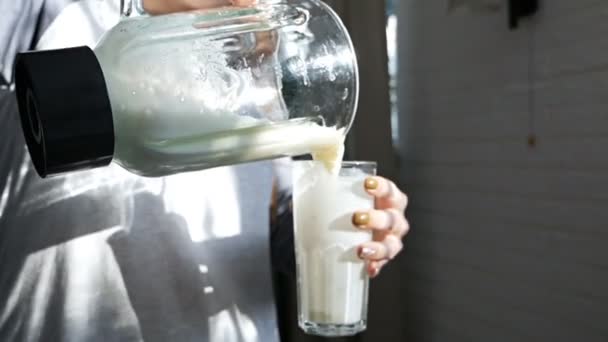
x=509, y=242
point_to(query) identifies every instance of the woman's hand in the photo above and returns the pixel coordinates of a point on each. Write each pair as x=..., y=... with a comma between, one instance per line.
x=170, y=6
x=387, y=222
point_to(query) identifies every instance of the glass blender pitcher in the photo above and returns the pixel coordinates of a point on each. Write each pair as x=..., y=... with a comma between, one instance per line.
x=194, y=90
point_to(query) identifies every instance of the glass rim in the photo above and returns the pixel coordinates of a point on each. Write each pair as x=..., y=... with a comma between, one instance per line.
x=359, y=163
x=346, y=163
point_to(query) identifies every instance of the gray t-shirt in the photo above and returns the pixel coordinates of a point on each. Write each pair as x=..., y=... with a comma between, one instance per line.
x=104, y=255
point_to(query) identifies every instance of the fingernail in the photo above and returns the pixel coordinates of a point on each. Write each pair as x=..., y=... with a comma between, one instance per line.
x=361, y=219
x=375, y=272
x=371, y=184
x=366, y=252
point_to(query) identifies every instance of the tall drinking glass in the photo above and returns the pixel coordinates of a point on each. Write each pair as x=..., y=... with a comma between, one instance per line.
x=332, y=280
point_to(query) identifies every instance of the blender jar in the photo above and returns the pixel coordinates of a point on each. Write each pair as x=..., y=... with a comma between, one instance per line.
x=194, y=90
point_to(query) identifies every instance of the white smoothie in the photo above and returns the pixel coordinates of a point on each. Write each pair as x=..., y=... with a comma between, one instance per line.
x=186, y=104
x=332, y=280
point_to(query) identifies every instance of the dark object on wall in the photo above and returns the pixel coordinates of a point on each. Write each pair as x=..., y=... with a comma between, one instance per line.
x=519, y=9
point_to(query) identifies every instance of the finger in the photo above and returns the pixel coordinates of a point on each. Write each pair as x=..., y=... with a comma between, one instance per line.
x=389, y=220
x=243, y=2
x=374, y=267
x=202, y=4
x=386, y=192
x=385, y=250
x=167, y=6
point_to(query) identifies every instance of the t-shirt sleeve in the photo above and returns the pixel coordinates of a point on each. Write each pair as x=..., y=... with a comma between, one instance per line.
x=18, y=28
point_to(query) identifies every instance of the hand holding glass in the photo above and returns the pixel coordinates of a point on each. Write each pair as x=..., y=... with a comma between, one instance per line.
x=332, y=280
